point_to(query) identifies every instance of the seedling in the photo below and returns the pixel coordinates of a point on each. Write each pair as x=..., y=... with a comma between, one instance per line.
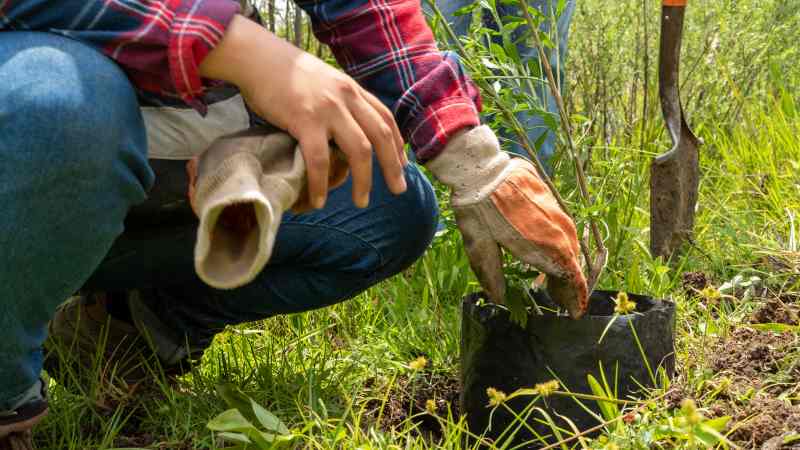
x=247, y=424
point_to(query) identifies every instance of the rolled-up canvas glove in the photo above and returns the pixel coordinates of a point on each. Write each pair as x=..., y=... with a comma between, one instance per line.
x=502, y=202
x=239, y=188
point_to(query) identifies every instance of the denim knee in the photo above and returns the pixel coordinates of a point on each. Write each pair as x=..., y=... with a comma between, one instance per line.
x=84, y=109
x=415, y=216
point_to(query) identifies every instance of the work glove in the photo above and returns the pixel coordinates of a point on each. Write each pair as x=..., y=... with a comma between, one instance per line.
x=502, y=202
x=240, y=188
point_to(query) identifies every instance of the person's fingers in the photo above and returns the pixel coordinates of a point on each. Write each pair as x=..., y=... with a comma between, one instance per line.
x=381, y=136
x=388, y=118
x=356, y=146
x=339, y=169
x=484, y=253
x=316, y=154
x=486, y=260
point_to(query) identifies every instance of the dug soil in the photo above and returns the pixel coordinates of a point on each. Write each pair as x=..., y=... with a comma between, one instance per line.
x=777, y=310
x=417, y=401
x=755, y=372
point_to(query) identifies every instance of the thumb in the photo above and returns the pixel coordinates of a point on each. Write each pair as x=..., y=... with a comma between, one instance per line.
x=486, y=260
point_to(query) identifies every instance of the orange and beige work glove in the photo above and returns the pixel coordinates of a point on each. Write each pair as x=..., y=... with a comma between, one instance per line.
x=502, y=202
x=239, y=188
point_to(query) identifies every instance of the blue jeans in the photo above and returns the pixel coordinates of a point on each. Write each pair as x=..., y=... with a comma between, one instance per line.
x=74, y=178
x=534, y=123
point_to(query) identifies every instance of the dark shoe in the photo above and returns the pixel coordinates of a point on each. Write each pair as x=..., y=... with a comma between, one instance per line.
x=16, y=425
x=86, y=343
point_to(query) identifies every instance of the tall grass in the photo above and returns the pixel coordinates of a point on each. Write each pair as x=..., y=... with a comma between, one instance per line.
x=331, y=374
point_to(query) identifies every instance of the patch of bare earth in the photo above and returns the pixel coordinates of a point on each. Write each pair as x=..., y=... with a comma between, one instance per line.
x=694, y=282
x=755, y=374
x=423, y=398
x=776, y=310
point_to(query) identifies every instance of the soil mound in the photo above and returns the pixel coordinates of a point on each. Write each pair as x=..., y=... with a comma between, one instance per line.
x=420, y=398
x=756, y=374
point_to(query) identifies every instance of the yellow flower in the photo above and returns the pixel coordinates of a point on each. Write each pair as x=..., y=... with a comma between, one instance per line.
x=546, y=389
x=418, y=364
x=624, y=304
x=710, y=294
x=430, y=406
x=496, y=397
x=689, y=409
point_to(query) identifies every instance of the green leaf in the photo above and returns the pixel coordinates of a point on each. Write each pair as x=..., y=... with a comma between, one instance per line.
x=776, y=327
x=517, y=305
x=268, y=420
x=235, y=437
x=791, y=438
x=262, y=439
x=718, y=423
x=707, y=435
x=283, y=441
x=237, y=399
x=230, y=420
x=609, y=410
x=608, y=327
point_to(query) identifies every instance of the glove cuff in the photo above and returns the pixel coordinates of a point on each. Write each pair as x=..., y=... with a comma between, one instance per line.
x=245, y=183
x=471, y=164
x=228, y=257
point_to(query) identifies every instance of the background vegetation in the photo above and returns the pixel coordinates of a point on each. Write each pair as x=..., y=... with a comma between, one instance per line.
x=380, y=371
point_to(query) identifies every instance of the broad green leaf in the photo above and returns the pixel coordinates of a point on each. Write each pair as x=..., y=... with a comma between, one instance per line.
x=230, y=420
x=718, y=423
x=268, y=420
x=282, y=441
x=237, y=399
x=708, y=436
x=791, y=438
x=262, y=439
x=234, y=437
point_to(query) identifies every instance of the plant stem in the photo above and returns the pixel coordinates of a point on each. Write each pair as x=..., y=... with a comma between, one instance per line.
x=530, y=149
x=565, y=123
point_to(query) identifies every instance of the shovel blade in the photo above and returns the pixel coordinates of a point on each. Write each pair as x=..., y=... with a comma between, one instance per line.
x=674, y=181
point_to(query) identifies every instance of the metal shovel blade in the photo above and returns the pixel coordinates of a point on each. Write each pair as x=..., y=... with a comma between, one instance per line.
x=674, y=175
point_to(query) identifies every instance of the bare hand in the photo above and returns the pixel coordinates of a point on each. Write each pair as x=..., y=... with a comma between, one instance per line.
x=315, y=103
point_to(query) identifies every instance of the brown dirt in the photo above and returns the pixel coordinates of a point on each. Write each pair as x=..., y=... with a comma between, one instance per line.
x=763, y=419
x=777, y=311
x=693, y=282
x=751, y=375
x=751, y=354
x=409, y=397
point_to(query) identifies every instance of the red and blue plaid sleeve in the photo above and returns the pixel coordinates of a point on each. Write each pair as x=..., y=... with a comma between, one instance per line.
x=159, y=43
x=387, y=46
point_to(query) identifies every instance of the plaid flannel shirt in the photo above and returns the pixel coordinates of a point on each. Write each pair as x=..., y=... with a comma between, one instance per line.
x=385, y=45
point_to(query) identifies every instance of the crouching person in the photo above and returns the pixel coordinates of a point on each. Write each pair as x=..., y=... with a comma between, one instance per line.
x=102, y=106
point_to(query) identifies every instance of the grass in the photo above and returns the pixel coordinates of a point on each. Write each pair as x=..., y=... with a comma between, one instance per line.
x=343, y=377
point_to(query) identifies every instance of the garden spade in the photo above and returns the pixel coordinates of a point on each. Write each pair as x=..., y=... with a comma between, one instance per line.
x=674, y=175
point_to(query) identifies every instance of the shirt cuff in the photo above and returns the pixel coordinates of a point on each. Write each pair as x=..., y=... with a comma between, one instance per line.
x=197, y=28
x=440, y=122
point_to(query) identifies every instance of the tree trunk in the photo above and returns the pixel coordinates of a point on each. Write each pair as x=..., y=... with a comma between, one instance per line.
x=298, y=26
x=272, y=15
x=309, y=41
